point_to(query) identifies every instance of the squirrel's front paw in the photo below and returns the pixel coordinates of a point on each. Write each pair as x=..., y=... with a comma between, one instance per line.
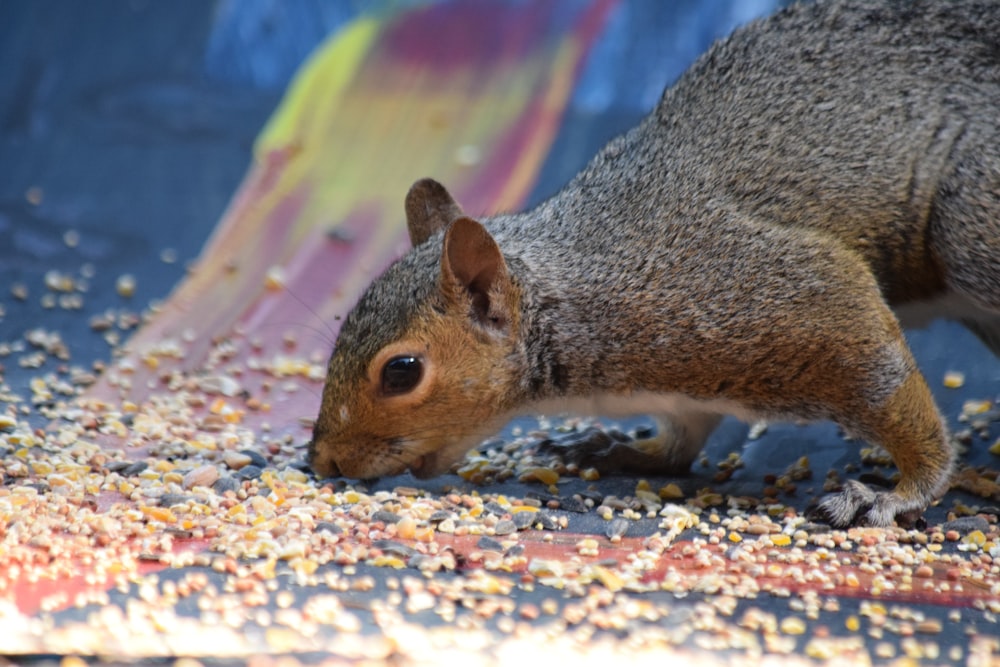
x=856, y=504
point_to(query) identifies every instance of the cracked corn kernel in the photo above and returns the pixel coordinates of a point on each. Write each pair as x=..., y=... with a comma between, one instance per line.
x=793, y=625
x=125, y=285
x=976, y=537
x=671, y=492
x=543, y=475
x=954, y=379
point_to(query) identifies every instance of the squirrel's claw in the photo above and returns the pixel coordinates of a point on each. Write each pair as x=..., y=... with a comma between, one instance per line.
x=857, y=504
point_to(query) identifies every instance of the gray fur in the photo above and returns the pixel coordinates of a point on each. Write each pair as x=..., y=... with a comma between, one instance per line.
x=740, y=246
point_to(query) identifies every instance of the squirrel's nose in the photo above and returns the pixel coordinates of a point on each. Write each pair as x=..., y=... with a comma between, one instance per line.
x=321, y=462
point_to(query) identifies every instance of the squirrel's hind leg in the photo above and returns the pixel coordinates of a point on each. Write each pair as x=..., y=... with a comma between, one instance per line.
x=683, y=436
x=910, y=428
x=678, y=439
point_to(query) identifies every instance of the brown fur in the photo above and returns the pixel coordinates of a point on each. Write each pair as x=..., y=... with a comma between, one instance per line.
x=742, y=250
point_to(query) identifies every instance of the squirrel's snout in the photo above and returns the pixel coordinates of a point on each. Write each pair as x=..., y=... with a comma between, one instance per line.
x=321, y=462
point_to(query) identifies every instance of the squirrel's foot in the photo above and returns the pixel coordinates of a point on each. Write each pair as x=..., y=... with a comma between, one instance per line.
x=594, y=448
x=857, y=504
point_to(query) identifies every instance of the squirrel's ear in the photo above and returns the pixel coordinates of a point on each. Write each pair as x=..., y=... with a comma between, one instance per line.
x=429, y=208
x=471, y=262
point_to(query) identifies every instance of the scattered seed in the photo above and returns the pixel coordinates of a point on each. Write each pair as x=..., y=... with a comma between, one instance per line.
x=125, y=285
x=954, y=379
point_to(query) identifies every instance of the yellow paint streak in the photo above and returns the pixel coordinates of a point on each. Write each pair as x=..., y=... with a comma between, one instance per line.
x=330, y=69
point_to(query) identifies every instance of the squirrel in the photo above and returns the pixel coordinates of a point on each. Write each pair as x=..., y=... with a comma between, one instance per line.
x=750, y=248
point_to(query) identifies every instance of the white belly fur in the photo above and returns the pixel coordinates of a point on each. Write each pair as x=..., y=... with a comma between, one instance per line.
x=643, y=403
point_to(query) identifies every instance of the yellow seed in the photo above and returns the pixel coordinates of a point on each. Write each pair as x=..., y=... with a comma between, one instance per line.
x=975, y=537
x=793, y=625
x=975, y=407
x=293, y=476
x=592, y=474
x=781, y=540
x=543, y=475
x=173, y=477
x=735, y=537
x=58, y=480
x=159, y=514
x=874, y=609
x=995, y=447
x=471, y=468
x=42, y=467
x=609, y=578
x=389, y=561
x=954, y=379
x=671, y=492
x=853, y=623
x=125, y=285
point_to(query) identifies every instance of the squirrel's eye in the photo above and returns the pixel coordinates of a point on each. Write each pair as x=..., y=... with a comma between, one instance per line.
x=401, y=374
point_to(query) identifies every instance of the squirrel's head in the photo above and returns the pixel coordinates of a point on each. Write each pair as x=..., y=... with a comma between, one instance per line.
x=424, y=363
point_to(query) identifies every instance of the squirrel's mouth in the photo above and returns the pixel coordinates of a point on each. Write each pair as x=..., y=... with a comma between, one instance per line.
x=430, y=464
x=422, y=467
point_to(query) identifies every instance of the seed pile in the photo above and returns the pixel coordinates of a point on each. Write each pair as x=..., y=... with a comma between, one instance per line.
x=185, y=524
x=72, y=510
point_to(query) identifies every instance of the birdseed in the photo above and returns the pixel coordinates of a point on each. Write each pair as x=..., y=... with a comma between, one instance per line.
x=179, y=524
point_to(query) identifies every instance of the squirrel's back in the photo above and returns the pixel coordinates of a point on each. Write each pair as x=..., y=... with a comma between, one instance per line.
x=843, y=117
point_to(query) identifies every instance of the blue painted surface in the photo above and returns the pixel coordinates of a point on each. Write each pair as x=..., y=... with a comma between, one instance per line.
x=644, y=46
x=647, y=45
